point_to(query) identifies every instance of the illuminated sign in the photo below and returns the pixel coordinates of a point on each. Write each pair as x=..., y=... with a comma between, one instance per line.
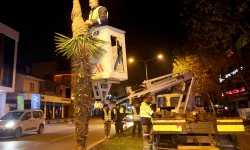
x=230, y=74
x=35, y=101
x=20, y=103
x=235, y=91
x=64, y=99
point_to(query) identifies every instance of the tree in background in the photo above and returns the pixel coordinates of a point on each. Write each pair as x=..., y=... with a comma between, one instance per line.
x=217, y=27
x=205, y=69
x=81, y=49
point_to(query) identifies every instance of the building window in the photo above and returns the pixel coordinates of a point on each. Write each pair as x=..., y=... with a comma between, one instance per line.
x=54, y=88
x=32, y=87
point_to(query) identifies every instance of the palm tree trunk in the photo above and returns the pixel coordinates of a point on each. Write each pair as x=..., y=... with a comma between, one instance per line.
x=81, y=70
x=82, y=83
x=81, y=49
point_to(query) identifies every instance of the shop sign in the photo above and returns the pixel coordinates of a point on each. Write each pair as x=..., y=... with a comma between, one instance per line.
x=35, y=101
x=64, y=99
x=20, y=103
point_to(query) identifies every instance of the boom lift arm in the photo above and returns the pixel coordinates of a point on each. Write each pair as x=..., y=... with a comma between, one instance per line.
x=158, y=84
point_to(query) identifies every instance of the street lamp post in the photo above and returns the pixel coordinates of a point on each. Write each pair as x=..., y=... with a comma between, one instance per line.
x=146, y=67
x=145, y=62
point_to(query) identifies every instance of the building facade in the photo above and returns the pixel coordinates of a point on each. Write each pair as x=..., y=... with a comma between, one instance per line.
x=8, y=54
x=54, y=98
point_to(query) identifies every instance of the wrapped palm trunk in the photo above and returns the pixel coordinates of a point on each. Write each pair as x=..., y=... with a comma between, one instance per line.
x=81, y=48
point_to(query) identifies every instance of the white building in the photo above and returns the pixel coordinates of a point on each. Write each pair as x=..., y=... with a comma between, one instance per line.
x=8, y=55
x=54, y=98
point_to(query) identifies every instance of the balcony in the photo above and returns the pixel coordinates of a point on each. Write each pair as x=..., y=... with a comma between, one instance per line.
x=54, y=89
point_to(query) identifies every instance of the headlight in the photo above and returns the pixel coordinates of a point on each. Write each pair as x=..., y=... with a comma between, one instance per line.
x=9, y=125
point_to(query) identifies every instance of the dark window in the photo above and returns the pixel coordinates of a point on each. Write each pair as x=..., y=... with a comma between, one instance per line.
x=37, y=114
x=26, y=116
x=7, y=52
x=32, y=87
x=68, y=93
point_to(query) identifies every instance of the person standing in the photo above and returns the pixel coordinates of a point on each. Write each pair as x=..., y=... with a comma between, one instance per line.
x=119, y=119
x=98, y=15
x=107, y=118
x=136, y=116
x=146, y=114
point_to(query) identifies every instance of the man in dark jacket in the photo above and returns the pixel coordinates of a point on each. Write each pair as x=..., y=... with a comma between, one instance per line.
x=119, y=120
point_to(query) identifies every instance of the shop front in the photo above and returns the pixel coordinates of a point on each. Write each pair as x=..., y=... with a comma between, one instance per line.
x=52, y=106
x=55, y=107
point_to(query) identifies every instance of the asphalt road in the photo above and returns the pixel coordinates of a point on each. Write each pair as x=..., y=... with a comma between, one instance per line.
x=61, y=137
x=55, y=137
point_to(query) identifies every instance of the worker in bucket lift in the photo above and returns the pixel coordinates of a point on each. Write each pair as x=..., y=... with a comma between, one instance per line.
x=146, y=114
x=119, y=120
x=107, y=118
x=98, y=15
x=136, y=120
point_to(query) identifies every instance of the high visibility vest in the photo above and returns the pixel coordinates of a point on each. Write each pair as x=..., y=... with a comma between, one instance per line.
x=95, y=14
x=107, y=117
x=121, y=110
x=136, y=116
x=145, y=110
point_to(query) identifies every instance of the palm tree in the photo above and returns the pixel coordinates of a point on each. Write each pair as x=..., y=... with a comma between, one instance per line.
x=81, y=49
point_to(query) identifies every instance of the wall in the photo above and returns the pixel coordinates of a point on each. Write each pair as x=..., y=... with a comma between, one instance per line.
x=19, y=83
x=2, y=103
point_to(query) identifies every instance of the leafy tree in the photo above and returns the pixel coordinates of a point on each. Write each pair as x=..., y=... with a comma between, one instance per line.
x=81, y=49
x=217, y=27
x=205, y=70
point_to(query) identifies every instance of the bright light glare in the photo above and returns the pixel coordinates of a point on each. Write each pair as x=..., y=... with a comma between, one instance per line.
x=9, y=125
x=160, y=56
x=131, y=60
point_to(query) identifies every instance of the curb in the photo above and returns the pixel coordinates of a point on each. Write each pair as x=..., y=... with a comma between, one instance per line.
x=52, y=121
x=101, y=141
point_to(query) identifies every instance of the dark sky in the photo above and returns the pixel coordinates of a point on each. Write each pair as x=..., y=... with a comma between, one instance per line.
x=151, y=27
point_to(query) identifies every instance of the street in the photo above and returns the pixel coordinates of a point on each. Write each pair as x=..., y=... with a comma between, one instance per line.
x=61, y=137
x=55, y=136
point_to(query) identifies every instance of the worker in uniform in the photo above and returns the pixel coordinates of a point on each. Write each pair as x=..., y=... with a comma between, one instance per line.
x=136, y=119
x=98, y=15
x=146, y=114
x=119, y=120
x=107, y=118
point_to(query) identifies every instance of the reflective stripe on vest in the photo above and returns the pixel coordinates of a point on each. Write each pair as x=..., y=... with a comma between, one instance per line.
x=120, y=110
x=95, y=14
x=145, y=110
x=107, y=117
x=136, y=116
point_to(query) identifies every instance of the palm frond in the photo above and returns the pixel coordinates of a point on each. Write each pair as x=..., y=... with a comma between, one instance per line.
x=69, y=46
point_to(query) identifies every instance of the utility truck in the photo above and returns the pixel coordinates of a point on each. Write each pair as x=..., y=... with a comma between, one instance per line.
x=180, y=120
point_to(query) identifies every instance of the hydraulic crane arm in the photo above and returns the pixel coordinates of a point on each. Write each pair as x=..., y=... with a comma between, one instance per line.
x=158, y=84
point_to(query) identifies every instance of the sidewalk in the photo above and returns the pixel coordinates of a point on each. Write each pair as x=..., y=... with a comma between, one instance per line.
x=61, y=120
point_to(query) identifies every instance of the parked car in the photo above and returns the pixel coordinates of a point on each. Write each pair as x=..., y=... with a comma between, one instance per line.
x=19, y=122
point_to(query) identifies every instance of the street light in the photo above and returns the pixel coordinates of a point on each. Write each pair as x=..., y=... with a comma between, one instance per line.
x=131, y=60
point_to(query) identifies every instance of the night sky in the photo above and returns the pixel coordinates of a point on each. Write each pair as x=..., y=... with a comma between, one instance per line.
x=151, y=27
